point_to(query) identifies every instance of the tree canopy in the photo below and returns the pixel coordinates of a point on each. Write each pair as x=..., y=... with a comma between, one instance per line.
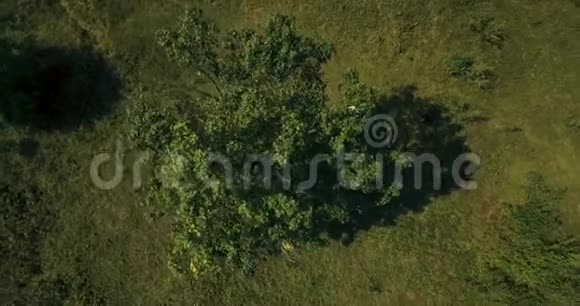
x=267, y=101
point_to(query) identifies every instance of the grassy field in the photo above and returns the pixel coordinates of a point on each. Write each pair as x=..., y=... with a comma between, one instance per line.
x=526, y=119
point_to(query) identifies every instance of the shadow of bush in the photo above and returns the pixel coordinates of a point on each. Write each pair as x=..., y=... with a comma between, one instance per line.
x=55, y=88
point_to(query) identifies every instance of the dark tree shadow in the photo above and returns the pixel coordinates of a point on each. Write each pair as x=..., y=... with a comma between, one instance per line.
x=437, y=134
x=55, y=88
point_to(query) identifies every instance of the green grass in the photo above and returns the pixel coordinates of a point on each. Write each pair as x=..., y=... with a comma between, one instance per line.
x=106, y=250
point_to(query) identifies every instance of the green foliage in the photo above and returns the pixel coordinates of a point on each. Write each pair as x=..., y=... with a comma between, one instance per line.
x=269, y=98
x=539, y=264
x=460, y=66
x=467, y=68
x=193, y=43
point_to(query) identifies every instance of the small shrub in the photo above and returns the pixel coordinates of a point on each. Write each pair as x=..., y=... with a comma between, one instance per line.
x=460, y=66
x=467, y=68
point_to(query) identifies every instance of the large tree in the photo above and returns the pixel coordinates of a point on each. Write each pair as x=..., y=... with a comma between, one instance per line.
x=266, y=97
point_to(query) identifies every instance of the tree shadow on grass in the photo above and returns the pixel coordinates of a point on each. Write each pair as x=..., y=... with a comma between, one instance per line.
x=438, y=135
x=55, y=88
